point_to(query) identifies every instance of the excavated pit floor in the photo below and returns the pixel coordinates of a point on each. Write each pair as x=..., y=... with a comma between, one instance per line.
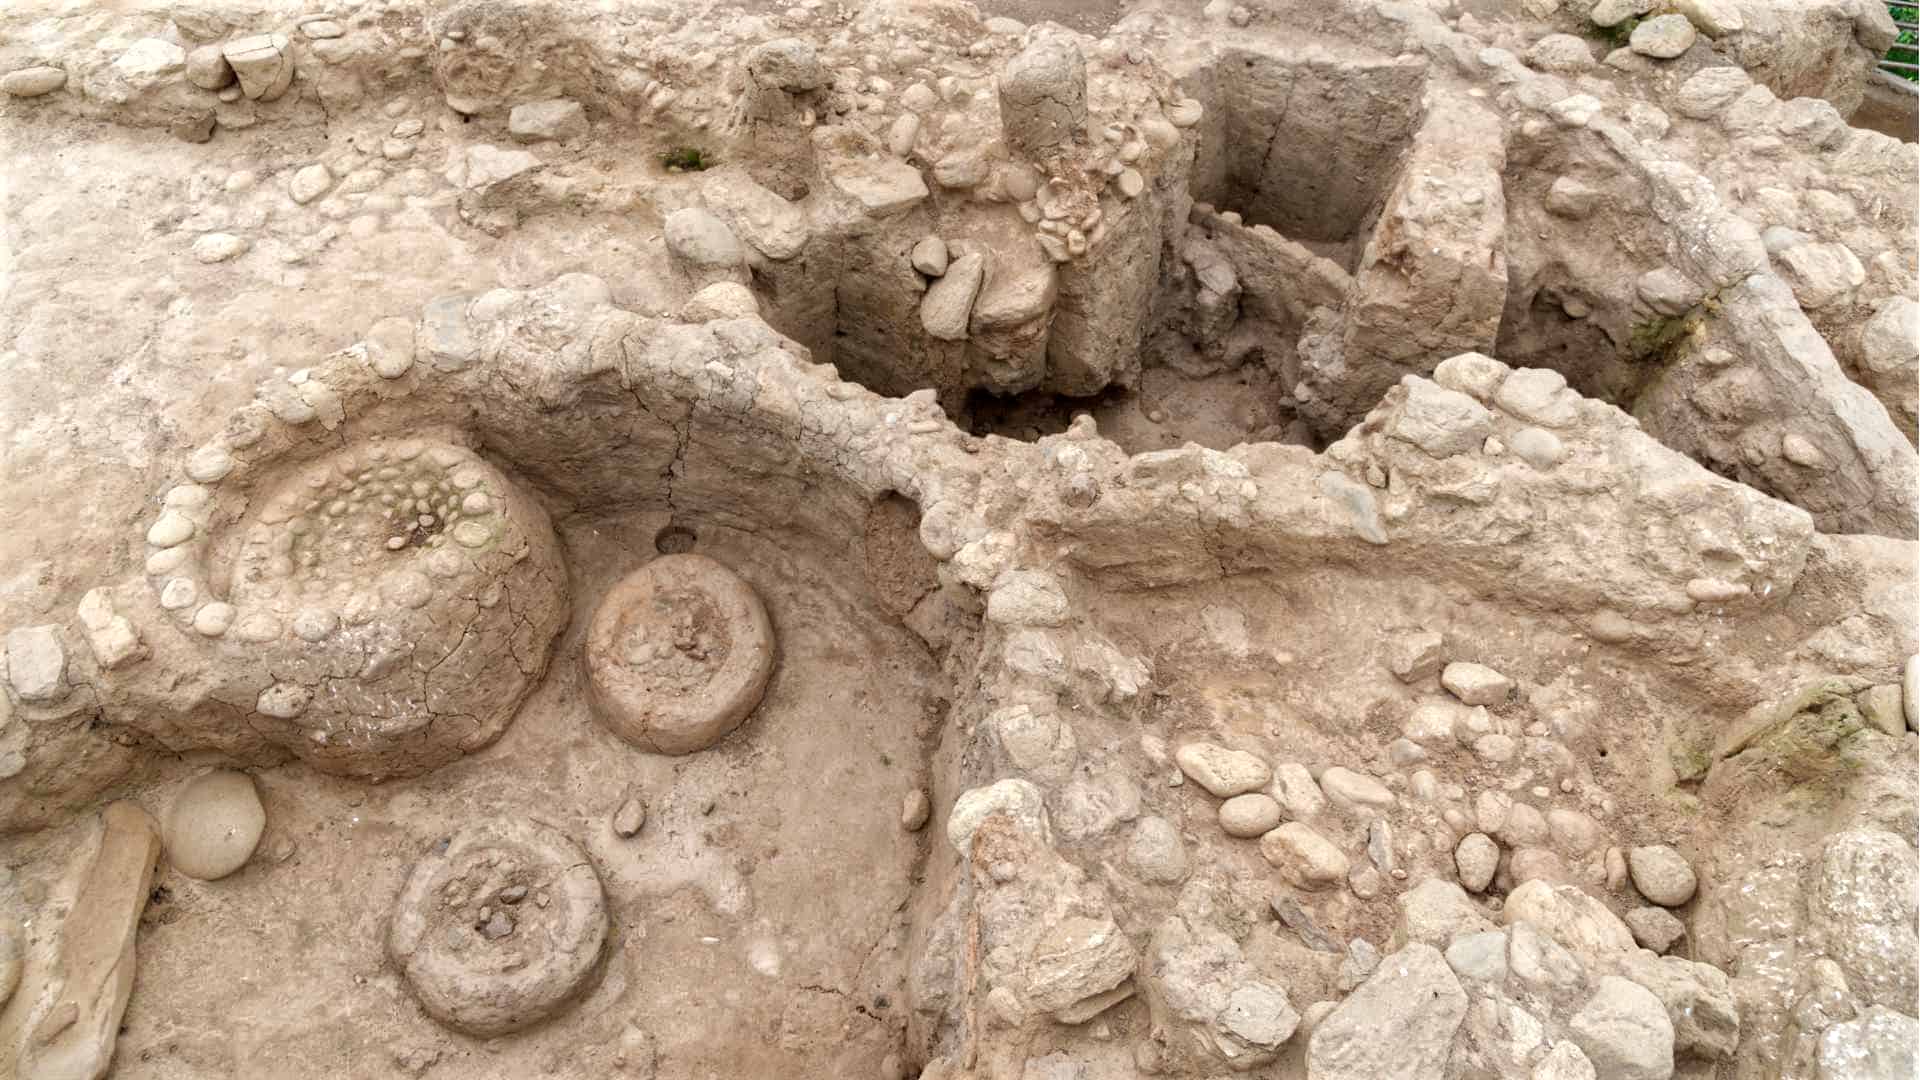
x=1166, y=410
x=757, y=918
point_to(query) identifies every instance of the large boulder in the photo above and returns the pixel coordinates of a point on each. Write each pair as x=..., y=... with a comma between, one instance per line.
x=1399, y=1025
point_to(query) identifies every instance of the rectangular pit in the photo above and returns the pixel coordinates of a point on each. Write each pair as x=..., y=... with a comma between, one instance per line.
x=1309, y=140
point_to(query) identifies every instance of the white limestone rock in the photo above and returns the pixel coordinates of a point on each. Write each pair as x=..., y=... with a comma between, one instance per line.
x=948, y=305
x=1623, y=1029
x=1475, y=684
x=37, y=664
x=263, y=63
x=1018, y=800
x=1878, y=1043
x=1400, y=1023
x=555, y=120
x=1475, y=858
x=1440, y=421
x=1223, y=772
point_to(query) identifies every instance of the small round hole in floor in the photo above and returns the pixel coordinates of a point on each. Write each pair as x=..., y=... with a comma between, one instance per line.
x=674, y=540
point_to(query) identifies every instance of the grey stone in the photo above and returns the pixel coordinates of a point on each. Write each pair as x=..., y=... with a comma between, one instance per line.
x=1569, y=198
x=948, y=305
x=32, y=82
x=1537, y=447
x=149, y=62
x=1561, y=54
x=1876, y=1045
x=1018, y=800
x=630, y=817
x=929, y=256
x=446, y=335
x=1259, y=1014
x=1476, y=684
x=882, y=188
x=702, y=241
x=207, y=68
x=1565, y=1061
x=1880, y=706
x=97, y=958
x=1304, y=858
x=1295, y=789
x=486, y=165
x=1295, y=918
x=1156, y=852
x=1538, y=396
x=762, y=219
x=1415, y=654
x=1361, y=961
x=1577, y=921
x=1662, y=875
x=538, y=121
x=1624, y=1031
x=1043, y=96
x=1821, y=274
x=1476, y=857
x=1890, y=340
x=1480, y=957
x=1400, y=1024
x=1222, y=771
x=1668, y=291
x=1663, y=37
x=1862, y=909
x=1540, y=964
x=112, y=637
x=787, y=64
x=263, y=63
x=37, y=664
x=1090, y=806
x=1706, y=93
x=1075, y=959
x=1355, y=791
x=1655, y=928
x=214, y=824
x=309, y=183
x=1615, y=12
x=1249, y=815
x=1699, y=999
x=1437, y=911
x=1439, y=421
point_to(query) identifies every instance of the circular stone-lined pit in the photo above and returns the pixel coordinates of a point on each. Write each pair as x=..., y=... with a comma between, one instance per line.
x=500, y=927
x=678, y=654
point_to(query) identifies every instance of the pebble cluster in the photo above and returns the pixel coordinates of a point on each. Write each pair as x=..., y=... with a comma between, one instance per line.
x=372, y=529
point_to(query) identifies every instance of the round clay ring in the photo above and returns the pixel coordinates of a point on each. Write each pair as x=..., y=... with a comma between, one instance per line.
x=678, y=654
x=475, y=982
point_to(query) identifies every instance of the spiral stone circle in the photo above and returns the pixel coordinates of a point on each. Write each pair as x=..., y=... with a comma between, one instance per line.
x=678, y=654
x=500, y=928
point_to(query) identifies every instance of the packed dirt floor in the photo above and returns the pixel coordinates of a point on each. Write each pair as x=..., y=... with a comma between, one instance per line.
x=1047, y=541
